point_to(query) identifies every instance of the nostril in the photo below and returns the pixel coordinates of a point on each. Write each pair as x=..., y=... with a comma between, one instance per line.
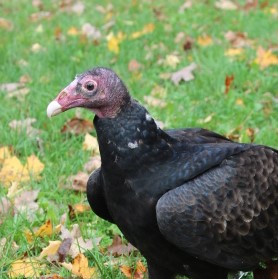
x=62, y=95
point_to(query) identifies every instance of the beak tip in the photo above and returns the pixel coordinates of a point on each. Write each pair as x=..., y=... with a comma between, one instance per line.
x=53, y=108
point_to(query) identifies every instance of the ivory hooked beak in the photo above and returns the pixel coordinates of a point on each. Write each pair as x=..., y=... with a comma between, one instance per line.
x=53, y=109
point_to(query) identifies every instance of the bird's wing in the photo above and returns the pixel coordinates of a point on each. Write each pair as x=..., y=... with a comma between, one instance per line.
x=96, y=197
x=228, y=214
x=196, y=135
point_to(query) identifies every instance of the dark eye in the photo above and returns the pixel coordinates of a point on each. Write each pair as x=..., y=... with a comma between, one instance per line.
x=90, y=86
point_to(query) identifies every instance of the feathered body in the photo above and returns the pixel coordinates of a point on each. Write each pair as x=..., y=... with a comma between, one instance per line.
x=192, y=201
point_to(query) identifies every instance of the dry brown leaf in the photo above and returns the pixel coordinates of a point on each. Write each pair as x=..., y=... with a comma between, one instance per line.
x=27, y=267
x=204, y=40
x=184, y=74
x=19, y=94
x=25, y=125
x=148, y=28
x=228, y=83
x=239, y=102
x=134, y=66
x=37, y=4
x=51, y=249
x=6, y=24
x=91, y=32
x=12, y=86
x=188, y=43
x=40, y=15
x=81, y=208
x=136, y=273
x=25, y=79
x=118, y=248
x=226, y=5
x=238, y=39
x=64, y=249
x=80, y=267
x=186, y=5
x=5, y=206
x=159, y=91
x=251, y=134
x=265, y=58
x=90, y=143
x=77, y=126
x=77, y=182
x=206, y=120
x=93, y=164
x=72, y=31
x=155, y=102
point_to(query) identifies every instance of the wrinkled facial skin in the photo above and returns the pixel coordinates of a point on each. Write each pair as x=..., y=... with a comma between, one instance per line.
x=99, y=90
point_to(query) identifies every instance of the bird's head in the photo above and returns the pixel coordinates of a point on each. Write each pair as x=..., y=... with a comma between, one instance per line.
x=98, y=89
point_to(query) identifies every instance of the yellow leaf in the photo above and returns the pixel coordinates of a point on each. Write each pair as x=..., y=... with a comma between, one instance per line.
x=233, y=51
x=45, y=230
x=265, y=58
x=172, y=60
x=80, y=208
x=90, y=143
x=13, y=170
x=80, y=267
x=4, y=153
x=51, y=249
x=13, y=190
x=148, y=28
x=204, y=40
x=29, y=267
x=239, y=102
x=72, y=31
x=113, y=41
x=34, y=165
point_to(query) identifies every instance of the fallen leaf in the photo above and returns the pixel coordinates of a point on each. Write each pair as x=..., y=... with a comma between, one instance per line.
x=155, y=102
x=24, y=202
x=228, y=83
x=91, y=32
x=78, y=182
x=184, y=74
x=64, y=249
x=239, y=102
x=72, y=31
x=81, y=208
x=136, y=273
x=25, y=79
x=179, y=37
x=78, y=8
x=51, y=249
x=118, y=248
x=5, y=206
x=28, y=267
x=40, y=15
x=148, y=28
x=12, y=86
x=36, y=48
x=4, y=153
x=134, y=66
x=77, y=126
x=265, y=58
x=206, y=120
x=113, y=42
x=233, y=51
x=90, y=143
x=188, y=43
x=238, y=39
x=186, y=5
x=45, y=230
x=13, y=190
x=226, y=5
x=6, y=24
x=171, y=60
x=204, y=40
x=251, y=134
x=159, y=91
x=80, y=267
x=93, y=164
x=37, y=4
x=19, y=94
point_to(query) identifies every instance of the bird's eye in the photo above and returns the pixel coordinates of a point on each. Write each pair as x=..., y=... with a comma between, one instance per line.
x=90, y=86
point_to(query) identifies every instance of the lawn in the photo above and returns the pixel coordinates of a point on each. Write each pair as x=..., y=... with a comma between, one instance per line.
x=44, y=44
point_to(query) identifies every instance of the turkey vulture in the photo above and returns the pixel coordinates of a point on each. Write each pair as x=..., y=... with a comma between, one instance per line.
x=193, y=202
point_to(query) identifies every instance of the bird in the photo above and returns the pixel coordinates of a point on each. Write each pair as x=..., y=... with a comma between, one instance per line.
x=192, y=201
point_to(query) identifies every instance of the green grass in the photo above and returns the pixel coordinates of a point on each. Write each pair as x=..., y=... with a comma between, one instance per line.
x=187, y=104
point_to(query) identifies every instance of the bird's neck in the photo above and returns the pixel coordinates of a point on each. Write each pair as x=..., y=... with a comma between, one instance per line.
x=127, y=140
